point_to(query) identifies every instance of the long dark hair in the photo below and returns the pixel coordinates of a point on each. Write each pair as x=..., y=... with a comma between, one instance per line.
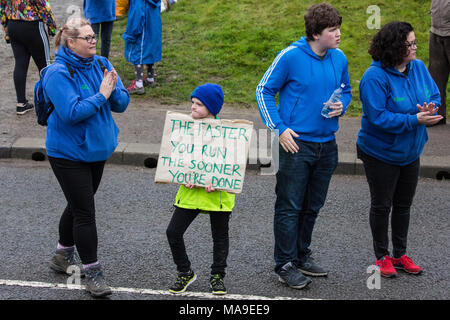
x=389, y=44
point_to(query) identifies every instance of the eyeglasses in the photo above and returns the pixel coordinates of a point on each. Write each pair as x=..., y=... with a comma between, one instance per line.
x=89, y=39
x=411, y=44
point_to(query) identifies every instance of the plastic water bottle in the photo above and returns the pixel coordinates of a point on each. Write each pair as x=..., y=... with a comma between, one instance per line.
x=335, y=97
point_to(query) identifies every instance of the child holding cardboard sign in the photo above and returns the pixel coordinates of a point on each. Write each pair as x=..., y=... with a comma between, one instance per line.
x=207, y=101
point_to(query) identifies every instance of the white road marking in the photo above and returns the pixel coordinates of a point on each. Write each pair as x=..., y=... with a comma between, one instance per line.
x=200, y=295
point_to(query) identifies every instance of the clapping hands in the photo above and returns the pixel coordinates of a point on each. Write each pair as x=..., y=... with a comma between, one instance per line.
x=426, y=115
x=109, y=82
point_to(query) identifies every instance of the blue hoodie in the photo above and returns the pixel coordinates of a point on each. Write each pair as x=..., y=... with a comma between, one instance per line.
x=81, y=128
x=97, y=11
x=304, y=82
x=389, y=128
x=143, y=35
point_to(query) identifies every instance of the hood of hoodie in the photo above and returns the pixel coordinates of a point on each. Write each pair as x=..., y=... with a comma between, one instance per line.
x=64, y=55
x=303, y=45
x=378, y=64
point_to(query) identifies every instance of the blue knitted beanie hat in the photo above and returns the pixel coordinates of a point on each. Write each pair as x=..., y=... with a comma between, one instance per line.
x=211, y=95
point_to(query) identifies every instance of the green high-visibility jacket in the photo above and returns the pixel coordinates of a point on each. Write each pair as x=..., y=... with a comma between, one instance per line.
x=198, y=198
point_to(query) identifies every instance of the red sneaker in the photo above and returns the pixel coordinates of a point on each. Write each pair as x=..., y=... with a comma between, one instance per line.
x=405, y=263
x=385, y=266
x=134, y=89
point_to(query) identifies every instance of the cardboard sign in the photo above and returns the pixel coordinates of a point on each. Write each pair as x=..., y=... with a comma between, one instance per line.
x=203, y=152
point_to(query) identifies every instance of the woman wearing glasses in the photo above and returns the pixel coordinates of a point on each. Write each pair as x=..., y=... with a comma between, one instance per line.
x=81, y=135
x=399, y=99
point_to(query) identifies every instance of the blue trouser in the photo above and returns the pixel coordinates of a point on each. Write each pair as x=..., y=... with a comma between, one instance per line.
x=302, y=185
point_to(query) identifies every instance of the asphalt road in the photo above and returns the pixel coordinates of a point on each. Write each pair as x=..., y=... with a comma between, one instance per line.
x=133, y=213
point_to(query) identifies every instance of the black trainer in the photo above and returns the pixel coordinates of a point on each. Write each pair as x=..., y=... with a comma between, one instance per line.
x=310, y=268
x=290, y=275
x=96, y=284
x=184, y=279
x=63, y=259
x=24, y=108
x=217, y=285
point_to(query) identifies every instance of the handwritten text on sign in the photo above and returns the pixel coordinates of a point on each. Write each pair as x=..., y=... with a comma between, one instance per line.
x=203, y=152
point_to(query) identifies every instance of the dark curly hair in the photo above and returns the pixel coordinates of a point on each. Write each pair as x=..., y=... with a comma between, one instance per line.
x=319, y=17
x=389, y=44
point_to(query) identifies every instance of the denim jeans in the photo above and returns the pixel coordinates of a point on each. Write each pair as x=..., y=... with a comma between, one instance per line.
x=302, y=185
x=390, y=187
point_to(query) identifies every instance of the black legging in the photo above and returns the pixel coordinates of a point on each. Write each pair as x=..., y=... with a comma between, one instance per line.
x=181, y=220
x=391, y=187
x=28, y=39
x=79, y=182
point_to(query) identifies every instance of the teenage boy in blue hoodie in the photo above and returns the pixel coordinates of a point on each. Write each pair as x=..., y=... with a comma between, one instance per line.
x=305, y=74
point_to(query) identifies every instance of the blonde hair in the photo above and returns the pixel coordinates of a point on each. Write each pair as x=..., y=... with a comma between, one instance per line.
x=70, y=30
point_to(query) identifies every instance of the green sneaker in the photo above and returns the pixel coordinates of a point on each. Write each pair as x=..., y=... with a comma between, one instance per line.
x=184, y=279
x=217, y=285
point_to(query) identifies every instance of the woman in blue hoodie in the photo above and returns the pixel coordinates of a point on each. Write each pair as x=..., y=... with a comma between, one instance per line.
x=399, y=99
x=305, y=74
x=81, y=135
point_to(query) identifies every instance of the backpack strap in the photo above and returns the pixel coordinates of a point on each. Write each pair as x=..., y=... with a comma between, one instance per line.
x=71, y=71
x=102, y=66
x=51, y=107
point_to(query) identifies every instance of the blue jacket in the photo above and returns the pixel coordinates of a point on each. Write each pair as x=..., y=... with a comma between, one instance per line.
x=304, y=82
x=143, y=35
x=97, y=11
x=81, y=128
x=389, y=128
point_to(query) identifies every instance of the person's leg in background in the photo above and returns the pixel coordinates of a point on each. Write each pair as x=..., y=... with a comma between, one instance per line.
x=137, y=86
x=28, y=39
x=105, y=33
x=22, y=61
x=150, y=78
x=439, y=67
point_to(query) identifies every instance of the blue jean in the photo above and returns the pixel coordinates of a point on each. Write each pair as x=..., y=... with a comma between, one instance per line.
x=302, y=185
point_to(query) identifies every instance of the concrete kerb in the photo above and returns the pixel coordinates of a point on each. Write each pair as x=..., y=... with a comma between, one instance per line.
x=137, y=154
x=5, y=150
x=24, y=148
